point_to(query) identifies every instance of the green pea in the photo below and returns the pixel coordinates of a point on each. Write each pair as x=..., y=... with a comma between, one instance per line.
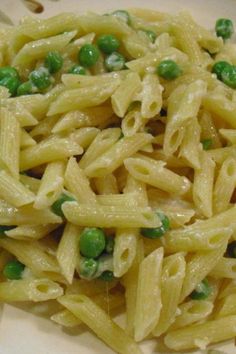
x=150, y=34
x=56, y=206
x=8, y=71
x=202, y=291
x=169, y=69
x=108, y=43
x=231, y=249
x=224, y=28
x=4, y=228
x=25, y=89
x=107, y=276
x=87, y=268
x=53, y=62
x=11, y=83
x=77, y=69
x=40, y=78
x=207, y=144
x=13, y=270
x=110, y=244
x=88, y=55
x=123, y=16
x=92, y=242
x=115, y=62
x=157, y=231
x=219, y=67
x=229, y=76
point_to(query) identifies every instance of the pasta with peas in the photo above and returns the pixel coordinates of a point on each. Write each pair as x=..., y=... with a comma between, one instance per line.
x=117, y=175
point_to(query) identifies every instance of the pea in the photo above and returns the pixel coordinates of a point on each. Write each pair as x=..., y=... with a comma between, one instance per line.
x=8, y=71
x=77, y=69
x=92, y=242
x=202, y=291
x=224, y=28
x=123, y=16
x=88, y=55
x=229, y=76
x=107, y=276
x=169, y=69
x=110, y=244
x=157, y=231
x=206, y=144
x=11, y=83
x=87, y=268
x=4, y=228
x=231, y=249
x=40, y=78
x=25, y=89
x=108, y=43
x=13, y=270
x=56, y=206
x=219, y=67
x=53, y=62
x=115, y=62
x=150, y=34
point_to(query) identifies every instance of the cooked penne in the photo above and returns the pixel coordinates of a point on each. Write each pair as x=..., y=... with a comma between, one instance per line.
x=124, y=94
x=124, y=250
x=51, y=185
x=151, y=103
x=9, y=142
x=67, y=252
x=109, y=216
x=114, y=157
x=30, y=232
x=192, y=311
x=172, y=277
x=36, y=290
x=154, y=173
x=77, y=183
x=148, y=305
x=86, y=310
x=201, y=335
x=203, y=185
x=224, y=268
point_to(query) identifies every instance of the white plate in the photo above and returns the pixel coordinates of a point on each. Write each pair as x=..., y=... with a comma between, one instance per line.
x=22, y=332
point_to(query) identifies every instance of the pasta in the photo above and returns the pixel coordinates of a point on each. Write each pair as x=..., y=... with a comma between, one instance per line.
x=118, y=175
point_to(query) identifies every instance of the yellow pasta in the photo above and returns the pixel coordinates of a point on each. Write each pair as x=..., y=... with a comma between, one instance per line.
x=118, y=176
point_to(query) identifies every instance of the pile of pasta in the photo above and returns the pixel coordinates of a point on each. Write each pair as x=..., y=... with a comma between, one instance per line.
x=126, y=148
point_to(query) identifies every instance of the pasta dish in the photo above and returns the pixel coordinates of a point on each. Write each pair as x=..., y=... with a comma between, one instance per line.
x=118, y=175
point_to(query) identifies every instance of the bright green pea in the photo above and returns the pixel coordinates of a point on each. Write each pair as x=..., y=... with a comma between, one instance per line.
x=202, y=291
x=231, y=249
x=115, y=62
x=168, y=69
x=13, y=270
x=53, y=62
x=219, y=67
x=206, y=144
x=87, y=268
x=25, y=89
x=123, y=16
x=224, y=28
x=4, y=228
x=110, y=244
x=56, y=206
x=77, y=69
x=157, y=231
x=92, y=242
x=40, y=78
x=151, y=35
x=229, y=76
x=107, y=276
x=8, y=71
x=11, y=83
x=108, y=43
x=88, y=55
